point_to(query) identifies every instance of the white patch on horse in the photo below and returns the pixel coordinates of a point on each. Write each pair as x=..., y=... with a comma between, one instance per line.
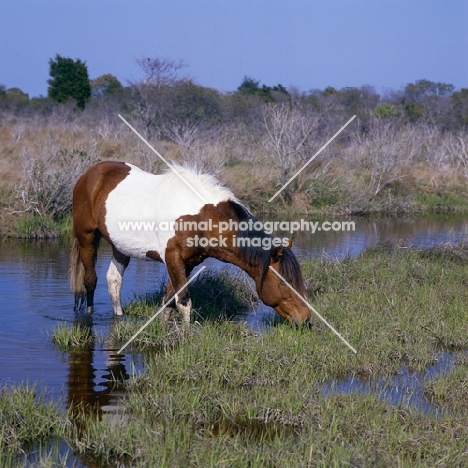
x=149, y=200
x=114, y=278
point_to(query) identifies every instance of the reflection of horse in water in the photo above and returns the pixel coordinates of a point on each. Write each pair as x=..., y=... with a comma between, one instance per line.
x=82, y=392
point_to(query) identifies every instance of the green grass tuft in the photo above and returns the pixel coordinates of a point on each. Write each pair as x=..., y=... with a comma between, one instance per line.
x=77, y=337
x=26, y=419
x=33, y=226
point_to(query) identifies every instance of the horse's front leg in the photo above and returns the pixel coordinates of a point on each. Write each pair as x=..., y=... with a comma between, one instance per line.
x=184, y=306
x=114, y=278
x=169, y=301
x=178, y=273
x=182, y=302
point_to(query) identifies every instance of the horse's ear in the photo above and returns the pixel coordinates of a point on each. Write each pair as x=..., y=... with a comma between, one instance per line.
x=290, y=242
x=276, y=253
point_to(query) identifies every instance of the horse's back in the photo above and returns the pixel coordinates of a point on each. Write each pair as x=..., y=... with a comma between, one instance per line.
x=112, y=195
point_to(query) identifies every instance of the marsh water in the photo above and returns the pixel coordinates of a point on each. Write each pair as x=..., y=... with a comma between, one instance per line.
x=35, y=297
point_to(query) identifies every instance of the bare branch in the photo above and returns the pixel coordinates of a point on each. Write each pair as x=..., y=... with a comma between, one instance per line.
x=159, y=72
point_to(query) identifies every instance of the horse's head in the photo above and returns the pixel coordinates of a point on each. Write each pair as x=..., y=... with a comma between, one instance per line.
x=276, y=293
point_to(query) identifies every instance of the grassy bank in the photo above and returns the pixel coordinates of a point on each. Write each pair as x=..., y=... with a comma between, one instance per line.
x=221, y=395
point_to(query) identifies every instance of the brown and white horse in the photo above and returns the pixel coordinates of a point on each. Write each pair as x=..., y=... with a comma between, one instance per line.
x=110, y=195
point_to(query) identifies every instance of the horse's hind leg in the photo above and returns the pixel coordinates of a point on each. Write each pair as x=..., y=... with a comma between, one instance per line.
x=89, y=244
x=114, y=278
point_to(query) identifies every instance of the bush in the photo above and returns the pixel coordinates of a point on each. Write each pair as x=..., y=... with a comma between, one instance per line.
x=47, y=183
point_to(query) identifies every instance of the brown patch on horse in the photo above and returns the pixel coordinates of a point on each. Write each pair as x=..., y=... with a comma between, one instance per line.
x=254, y=260
x=89, y=211
x=194, y=255
x=154, y=255
x=249, y=258
x=91, y=192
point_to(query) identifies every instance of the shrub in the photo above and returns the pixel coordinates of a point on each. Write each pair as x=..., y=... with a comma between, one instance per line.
x=47, y=183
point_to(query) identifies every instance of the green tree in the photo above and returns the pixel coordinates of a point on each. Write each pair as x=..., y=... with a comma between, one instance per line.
x=249, y=86
x=428, y=100
x=421, y=89
x=277, y=93
x=13, y=99
x=69, y=80
x=105, y=84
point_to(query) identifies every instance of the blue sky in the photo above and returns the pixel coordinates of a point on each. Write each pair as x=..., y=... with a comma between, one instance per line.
x=308, y=44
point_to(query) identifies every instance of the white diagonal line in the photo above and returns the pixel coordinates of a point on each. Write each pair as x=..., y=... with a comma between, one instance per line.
x=314, y=311
x=163, y=159
x=160, y=310
x=312, y=158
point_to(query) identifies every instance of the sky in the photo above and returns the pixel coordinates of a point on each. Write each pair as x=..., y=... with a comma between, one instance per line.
x=306, y=44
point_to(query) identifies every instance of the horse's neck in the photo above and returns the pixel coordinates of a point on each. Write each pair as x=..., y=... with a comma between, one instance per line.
x=229, y=255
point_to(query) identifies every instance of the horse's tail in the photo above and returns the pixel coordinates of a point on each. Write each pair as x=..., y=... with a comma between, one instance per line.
x=77, y=274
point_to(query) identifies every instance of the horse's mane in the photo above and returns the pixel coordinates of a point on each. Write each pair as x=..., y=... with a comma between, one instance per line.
x=197, y=179
x=289, y=267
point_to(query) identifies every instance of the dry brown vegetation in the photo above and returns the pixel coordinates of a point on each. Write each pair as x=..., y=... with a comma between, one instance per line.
x=386, y=161
x=384, y=169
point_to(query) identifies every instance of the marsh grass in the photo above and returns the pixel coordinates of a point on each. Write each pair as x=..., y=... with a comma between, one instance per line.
x=215, y=296
x=157, y=335
x=33, y=226
x=145, y=305
x=221, y=395
x=451, y=390
x=222, y=295
x=77, y=337
x=27, y=421
x=396, y=305
x=226, y=396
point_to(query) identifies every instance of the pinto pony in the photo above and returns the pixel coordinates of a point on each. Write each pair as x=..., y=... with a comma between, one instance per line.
x=111, y=196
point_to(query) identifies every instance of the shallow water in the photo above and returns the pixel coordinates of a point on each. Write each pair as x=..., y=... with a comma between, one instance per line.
x=420, y=232
x=405, y=389
x=35, y=297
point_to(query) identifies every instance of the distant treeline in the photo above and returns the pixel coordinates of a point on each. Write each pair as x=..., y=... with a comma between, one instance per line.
x=166, y=103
